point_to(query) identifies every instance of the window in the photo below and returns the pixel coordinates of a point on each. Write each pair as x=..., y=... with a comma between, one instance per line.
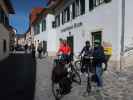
x=62, y=17
x=53, y=24
x=68, y=14
x=37, y=28
x=91, y=4
x=4, y=46
x=65, y=15
x=43, y=25
x=95, y=3
x=57, y=20
x=82, y=8
x=73, y=10
x=3, y=18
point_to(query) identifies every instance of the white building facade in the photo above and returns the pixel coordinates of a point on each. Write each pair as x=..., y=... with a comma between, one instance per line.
x=81, y=20
x=45, y=34
x=5, y=10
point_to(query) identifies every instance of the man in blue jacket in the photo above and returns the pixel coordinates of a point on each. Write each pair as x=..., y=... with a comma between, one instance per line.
x=99, y=58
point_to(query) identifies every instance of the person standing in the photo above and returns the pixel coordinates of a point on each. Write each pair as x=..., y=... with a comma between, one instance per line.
x=40, y=49
x=26, y=47
x=33, y=51
x=86, y=51
x=99, y=58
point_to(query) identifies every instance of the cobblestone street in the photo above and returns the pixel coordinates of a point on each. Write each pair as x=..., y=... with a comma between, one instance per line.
x=116, y=86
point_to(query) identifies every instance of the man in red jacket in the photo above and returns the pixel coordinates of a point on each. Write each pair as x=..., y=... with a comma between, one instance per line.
x=65, y=51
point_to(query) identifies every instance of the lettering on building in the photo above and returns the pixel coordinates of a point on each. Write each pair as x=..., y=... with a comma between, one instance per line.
x=75, y=25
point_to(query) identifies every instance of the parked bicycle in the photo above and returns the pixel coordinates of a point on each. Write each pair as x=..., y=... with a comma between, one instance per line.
x=63, y=75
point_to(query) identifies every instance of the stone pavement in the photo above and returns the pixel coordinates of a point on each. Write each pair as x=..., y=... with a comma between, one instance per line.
x=117, y=86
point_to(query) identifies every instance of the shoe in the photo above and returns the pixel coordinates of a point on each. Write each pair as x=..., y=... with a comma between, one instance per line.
x=99, y=89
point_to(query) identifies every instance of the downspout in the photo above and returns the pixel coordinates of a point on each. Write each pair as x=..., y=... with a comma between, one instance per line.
x=122, y=35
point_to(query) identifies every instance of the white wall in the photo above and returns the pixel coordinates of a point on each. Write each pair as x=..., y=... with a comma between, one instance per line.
x=128, y=23
x=48, y=35
x=128, y=41
x=104, y=17
x=4, y=35
x=52, y=34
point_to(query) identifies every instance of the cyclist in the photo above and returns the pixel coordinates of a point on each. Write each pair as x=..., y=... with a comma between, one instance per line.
x=65, y=51
x=86, y=51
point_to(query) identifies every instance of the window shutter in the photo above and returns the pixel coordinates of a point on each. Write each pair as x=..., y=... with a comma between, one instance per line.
x=73, y=10
x=82, y=6
x=91, y=5
x=107, y=1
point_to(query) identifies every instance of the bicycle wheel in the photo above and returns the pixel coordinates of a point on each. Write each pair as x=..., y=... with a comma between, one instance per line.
x=75, y=76
x=45, y=54
x=56, y=90
x=78, y=65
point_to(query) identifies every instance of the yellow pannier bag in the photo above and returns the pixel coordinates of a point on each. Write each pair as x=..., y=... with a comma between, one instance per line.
x=108, y=51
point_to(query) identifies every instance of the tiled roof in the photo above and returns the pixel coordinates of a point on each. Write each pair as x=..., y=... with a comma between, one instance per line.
x=35, y=13
x=54, y=3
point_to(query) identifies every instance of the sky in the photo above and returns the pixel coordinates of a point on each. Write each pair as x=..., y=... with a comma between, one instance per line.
x=20, y=20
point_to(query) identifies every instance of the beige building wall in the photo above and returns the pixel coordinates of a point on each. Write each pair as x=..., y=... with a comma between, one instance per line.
x=4, y=35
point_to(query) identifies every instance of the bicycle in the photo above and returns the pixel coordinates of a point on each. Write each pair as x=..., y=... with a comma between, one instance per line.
x=71, y=75
x=90, y=69
x=78, y=64
x=89, y=78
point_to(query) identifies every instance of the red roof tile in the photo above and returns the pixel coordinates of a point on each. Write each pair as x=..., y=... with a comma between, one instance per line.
x=34, y=14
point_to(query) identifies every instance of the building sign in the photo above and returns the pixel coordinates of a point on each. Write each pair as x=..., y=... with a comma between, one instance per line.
x=75, y=25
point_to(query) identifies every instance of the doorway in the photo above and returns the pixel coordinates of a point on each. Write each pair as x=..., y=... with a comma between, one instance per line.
x=70, y=41
x=44, y=47
x=96, y=36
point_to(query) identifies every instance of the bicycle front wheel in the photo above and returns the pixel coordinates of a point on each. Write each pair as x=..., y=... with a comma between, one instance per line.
x=76, y=76
x=78, y=65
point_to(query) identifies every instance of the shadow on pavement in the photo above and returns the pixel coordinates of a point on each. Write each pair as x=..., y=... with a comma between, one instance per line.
x=17, y=77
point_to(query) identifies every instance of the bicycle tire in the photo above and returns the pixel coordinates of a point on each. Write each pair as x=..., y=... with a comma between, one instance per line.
x=77, y=65
x=76, y=75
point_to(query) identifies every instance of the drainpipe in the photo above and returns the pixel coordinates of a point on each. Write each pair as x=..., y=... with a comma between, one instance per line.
x=122, y=34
